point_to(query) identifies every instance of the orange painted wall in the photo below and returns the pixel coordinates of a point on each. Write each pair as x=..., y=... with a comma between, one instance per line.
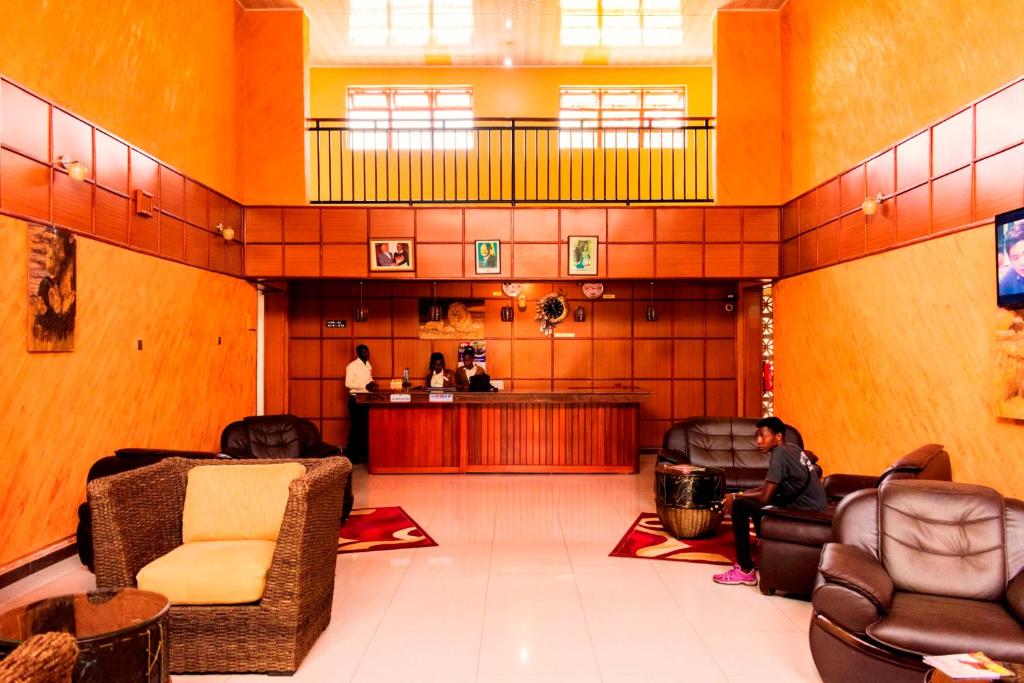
x=877, y=356
x=160, y=75
x=64, y=411
x=864, y=74
x=272, y=48
x=748, y=104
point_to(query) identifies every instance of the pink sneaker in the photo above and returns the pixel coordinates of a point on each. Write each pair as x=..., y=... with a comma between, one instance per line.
x=737, y=577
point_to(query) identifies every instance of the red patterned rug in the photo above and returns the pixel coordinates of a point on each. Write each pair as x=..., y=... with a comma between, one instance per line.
x=369, y=529
x=646, y=539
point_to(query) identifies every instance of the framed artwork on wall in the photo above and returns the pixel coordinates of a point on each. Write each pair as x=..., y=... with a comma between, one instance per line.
x=392, y=255
x=582, y=256
x=488, y=257
x=51, y=289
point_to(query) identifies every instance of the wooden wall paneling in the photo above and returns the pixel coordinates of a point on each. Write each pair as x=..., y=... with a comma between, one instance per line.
x=111, y=163
x=143, y=175
x=531, y=359
x=999, y=183
x=720, y=356
x=573, y=358
x=880, y=229
x=218, y=251
x=721, y=397
x=440, y=260
x=172, y=238
x=304, y=398
x=235, y=259
x=761, y=224
x=688, y=355
x=690, y=319
x=345, y=260
x=438, y=225
x=301, y=224
x=852, y=230
x=631, y=260
x=489, y=224
x=304, y=316
x=172, y=192
x=791, y=257
x=790, y=220
x=953, y=142
x=535, y=261
x=913, y=214
x=345, y=225
x=25, y=190
x=265, y=260
x=72, y=203
x=584, y=222
x=26, y=123
x=688, y=399
x=304, y=358
x=723, y=224
x=679, y=224
x=111, y=216
x=144, y=232
x=392, y=223
x=301, y=260
x=828, y=201
x=913, y=161
x=263, y=224
x=337, y=354
x=998, y=123
x=650, y=357
x=197, y=247
x=72, y=137
x=881, y=174
x=828, y=243
x=630, y=225
x=659, y=406
x=852, y=188
x=535, y=225
x=951, y=200
x=722, y=260
x=613, y=319
x=760, y=260
x=809, y=250
x=234, y=217
x=679, y=260
x=807, y=211
x=197, y=205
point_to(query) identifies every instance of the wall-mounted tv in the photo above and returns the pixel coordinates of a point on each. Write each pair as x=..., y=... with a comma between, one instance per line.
x=1010, y=258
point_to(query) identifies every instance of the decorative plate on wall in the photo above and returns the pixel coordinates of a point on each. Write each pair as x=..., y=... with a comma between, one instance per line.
x=593, y=290
x=511, y=288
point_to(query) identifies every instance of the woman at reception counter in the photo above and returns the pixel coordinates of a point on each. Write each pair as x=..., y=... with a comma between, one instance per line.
x=439, y=377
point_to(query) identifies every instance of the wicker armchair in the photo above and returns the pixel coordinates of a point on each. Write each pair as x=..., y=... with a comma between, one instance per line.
x=138, y=518
x=45, y=658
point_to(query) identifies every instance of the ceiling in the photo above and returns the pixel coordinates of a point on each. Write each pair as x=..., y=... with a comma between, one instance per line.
x=526, y=31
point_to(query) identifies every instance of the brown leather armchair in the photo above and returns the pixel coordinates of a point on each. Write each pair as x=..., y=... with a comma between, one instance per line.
x=725, y=442
x=791, y=540
x=918, y=568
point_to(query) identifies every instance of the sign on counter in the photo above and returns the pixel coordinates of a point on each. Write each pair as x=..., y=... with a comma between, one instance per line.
x=401, y=398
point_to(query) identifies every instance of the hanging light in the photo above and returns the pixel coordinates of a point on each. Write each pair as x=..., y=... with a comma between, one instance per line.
x=435, y=310
x=362, y=314
x=652, y=310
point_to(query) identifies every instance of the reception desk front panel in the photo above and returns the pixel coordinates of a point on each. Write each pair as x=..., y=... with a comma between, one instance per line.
x=591, y=431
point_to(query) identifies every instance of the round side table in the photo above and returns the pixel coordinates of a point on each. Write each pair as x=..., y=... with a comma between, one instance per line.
x=689, y=498
x=122, y=635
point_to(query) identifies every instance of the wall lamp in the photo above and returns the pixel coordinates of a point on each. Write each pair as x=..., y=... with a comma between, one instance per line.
x=77, y=170
x=227, y=232
x=870, y=204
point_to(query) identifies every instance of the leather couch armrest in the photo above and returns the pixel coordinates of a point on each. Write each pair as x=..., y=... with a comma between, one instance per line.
x=852, y=568
x=842, y=485
x=1015, y=596
x=160, y=453
x=810, y=516
x=674, y=456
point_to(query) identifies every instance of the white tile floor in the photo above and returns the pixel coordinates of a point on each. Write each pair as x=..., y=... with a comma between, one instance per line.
x=521, y=590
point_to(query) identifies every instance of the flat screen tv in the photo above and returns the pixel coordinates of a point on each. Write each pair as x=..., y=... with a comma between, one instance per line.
x=1010, y=258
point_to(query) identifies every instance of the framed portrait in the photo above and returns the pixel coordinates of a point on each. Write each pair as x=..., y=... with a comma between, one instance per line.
x=51, y=289
x=582, y=256
x=488, y=257
x=392, y=255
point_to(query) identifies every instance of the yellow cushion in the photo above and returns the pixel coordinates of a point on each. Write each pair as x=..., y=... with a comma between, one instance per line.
x=237, y=502
x=210, y=573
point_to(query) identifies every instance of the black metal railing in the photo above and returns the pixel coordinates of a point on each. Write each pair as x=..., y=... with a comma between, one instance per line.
x=504, y=160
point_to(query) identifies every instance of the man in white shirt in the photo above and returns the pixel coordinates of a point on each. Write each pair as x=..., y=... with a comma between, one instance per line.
x=359, y=380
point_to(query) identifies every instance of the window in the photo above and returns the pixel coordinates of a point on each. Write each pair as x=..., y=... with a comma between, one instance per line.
x=410, y=22
x=409, y=118
x=616, y=23
x=595, y=109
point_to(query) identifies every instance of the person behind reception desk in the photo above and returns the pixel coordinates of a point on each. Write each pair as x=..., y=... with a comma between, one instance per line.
x=440, y=377
x=468, y=370
x=359, y=380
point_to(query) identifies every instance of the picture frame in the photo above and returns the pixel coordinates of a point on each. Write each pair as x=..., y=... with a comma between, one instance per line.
x=52, y=288
x=487, y=262
x=582, y=255
x=392, y=255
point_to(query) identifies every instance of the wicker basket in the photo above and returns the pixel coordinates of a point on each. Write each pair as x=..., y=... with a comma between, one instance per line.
x=689, y=522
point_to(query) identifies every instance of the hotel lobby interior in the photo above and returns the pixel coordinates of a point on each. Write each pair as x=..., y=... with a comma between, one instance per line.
x=245, y=246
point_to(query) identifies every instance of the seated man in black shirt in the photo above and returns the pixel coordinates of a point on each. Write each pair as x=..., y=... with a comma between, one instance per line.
x=792, y=481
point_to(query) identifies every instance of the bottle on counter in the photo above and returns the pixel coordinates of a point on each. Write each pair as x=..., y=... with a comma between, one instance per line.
x=405, y=377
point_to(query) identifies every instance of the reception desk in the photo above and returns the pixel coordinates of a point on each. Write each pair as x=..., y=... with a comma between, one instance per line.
x=590, y=430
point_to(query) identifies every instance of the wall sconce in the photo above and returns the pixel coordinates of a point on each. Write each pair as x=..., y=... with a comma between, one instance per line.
x=521, y=302
x=77, y=170
x=580, y=314
x=362, y=313
x=506, y=314
x=435, y=310
x=870, y=204
x=652, y=310
x=228, y=233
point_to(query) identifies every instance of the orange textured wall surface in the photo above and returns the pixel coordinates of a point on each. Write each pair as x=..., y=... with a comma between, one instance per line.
x=748, y=104
x=272, y=107
x=64, y=411
x=877, y=356
x=864, y=74
x=160, y=75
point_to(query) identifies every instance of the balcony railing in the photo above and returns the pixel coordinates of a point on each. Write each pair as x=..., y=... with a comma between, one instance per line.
x=503, y=160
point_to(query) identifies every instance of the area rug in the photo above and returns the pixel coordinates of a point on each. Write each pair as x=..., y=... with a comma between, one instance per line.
x=368, y=529
x=646, y=539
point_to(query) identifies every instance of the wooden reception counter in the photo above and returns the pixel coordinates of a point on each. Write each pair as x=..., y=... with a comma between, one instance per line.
x=590, y=430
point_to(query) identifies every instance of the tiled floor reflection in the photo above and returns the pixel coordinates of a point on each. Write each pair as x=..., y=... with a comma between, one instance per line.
x=521, y=589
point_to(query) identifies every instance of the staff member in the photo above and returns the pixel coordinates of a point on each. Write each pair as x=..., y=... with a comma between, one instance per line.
x=359, y=380
x=440, y=377
x=468, y=370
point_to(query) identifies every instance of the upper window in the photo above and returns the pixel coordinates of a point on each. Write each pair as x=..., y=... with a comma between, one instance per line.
x=410, y=118
x=410, y=22
x=596, y=113
x=614, y=23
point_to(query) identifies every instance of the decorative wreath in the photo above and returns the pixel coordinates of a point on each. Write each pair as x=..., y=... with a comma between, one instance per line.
x=551, y=310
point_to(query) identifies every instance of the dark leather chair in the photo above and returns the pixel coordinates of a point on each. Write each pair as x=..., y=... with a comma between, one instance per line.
x=918, y=568
x=725, y=442
x=791, y=540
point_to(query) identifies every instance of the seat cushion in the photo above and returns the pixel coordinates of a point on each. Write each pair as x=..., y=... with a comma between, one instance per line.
x=802, y=527
x=936, y=625
x=210, y=572
x=237, y=502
